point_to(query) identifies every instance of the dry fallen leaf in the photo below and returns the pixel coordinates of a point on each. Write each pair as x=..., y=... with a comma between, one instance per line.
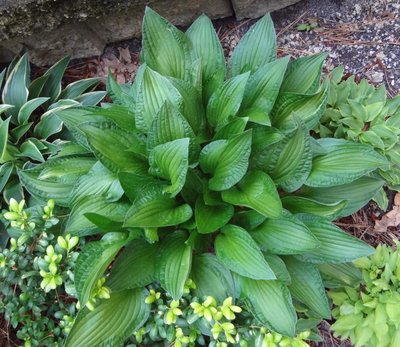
x=390, y=219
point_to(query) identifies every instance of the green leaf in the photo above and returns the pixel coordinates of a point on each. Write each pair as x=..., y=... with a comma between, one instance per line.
x=120, y=115
x=45, y=190
x=278, y=267
x=285, y=235
x=256, y=48
x=66, y=169
x=27, y=109
x=339, y=275
x=271, y=304
x=91, y=98
x=226, y=100
x=262, y=140
x=3, y=138
x=36, y=86
x=307, y=286
x=290, y=163
x=240, y=253
x=52, y=86
x=231, y=129
x=170, y=161
x=207, y=47
x=298, y=204
x=110, y=145
x=248, y=220
x=262, y=89
x=345, y=162
x=304, y=74
x=153, y=91
x=211, y=218
x=152, y=209
x=5, y=173
x=79, y=225
x=5, y=107
x=308, y=107
x=134, y=267
x=111, y=322
x=15, y=91
x=357, y=194
x=226, y=160
x=29, y=149
x=256, y=190
x=93, y=260
x=212, y=278
x=174, y=263
x=335, y=245
x=75, y=89
x=119, y=94
x=165, y=48
x=98, y=181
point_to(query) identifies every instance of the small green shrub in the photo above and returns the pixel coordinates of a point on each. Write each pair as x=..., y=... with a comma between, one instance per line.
x=36, y=276
x=205, y=170
x=29, y=117
x=369, y=314
x=362, y=113
x=192, y=322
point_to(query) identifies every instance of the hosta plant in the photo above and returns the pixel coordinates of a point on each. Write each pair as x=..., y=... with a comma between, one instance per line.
x=29, y=119
x=369, y=314
x=36, y=277
x=208, y=170
x=362, y=113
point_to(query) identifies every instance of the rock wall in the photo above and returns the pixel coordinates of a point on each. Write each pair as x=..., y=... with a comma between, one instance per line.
x=51, y=29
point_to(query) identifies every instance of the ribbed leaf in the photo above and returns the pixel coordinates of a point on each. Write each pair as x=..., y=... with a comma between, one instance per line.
x=26, y=110
x=307, y=107
x=248, y=220
x=298, y=204
x=134, y=267
x=335, y=246
x=45, y=190
x=66, y=169
x=271, y=304
x=235, y=127
x=52, y=86
x=153, y=90
x=79, y=225
x=3, y=137
x=226, y=160
x=170, y=125
x=291, y=160
x=256, y=48
x=165, y=48
x=357, y=194
x=261, y=148
x=240, y=253
x=5, y=173
x=174, y=263
x=278, y=267
x=29, y=150
x=211, y=218
x=304, y=74
x=91, y=98
x=262, y=90
x=212, y=278
x=286, y=235
x=98, y=181
x=226, y=100
x=170, y=161
x=345, y=162
x=120, y=115
x=207, y=47
x=111, y=322
x=257, y=191
x=94, y=258
x=15, y=91
x=110, y=144
x=307, y=286
x=339, y=275
x=152, y=209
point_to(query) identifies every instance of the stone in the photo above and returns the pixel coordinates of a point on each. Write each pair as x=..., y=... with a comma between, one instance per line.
x=257, y=8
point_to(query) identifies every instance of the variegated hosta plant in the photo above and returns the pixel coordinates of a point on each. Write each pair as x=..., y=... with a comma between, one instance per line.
x=362, y=113
x=29, y=119
x=205, y=170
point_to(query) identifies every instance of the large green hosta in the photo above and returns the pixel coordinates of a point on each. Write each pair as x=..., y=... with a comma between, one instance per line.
x=196, y=157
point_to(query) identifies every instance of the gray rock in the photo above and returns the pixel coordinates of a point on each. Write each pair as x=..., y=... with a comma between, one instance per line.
x=257, y=8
